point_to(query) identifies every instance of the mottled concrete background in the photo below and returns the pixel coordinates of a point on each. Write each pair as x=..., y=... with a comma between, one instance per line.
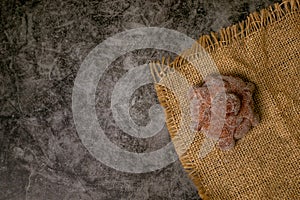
x=42, y=44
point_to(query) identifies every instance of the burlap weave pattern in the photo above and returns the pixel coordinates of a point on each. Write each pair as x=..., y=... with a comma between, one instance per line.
x=265, y=164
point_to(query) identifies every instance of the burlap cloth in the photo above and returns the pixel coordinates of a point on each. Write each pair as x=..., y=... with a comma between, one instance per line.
x=265, y=164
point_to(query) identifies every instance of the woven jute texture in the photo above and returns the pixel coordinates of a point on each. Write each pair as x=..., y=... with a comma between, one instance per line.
x=265, y=164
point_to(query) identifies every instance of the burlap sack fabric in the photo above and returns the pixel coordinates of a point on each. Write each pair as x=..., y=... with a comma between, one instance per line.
x=265, y=164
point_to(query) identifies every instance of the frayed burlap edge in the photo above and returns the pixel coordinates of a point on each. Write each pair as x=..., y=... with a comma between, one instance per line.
x=254, y=23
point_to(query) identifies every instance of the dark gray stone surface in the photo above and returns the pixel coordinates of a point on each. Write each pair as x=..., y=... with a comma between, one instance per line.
x=42, y=44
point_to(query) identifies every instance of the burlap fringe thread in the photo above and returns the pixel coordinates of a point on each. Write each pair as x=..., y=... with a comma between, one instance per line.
x=255, y=22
